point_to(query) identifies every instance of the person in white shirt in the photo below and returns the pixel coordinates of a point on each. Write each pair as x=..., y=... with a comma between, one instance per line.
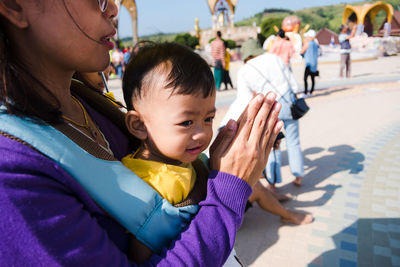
x=264, y=72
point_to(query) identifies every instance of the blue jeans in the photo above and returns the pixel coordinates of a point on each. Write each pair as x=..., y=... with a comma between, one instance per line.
x=273, y=168
x=218, y=78
x=118, y=70
x=296, y=161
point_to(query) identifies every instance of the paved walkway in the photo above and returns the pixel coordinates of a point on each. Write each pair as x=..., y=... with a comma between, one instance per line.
x=351, y=144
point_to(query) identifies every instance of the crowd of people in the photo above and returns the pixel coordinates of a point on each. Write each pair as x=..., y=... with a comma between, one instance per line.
x=119, y=59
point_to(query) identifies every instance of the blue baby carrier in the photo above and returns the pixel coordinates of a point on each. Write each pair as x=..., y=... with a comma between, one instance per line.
x=126, y=197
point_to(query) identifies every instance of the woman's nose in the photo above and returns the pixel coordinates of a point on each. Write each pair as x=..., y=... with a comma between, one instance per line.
x=112, y=10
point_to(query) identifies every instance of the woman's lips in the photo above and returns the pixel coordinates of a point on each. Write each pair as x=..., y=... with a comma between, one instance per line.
x=107, y=42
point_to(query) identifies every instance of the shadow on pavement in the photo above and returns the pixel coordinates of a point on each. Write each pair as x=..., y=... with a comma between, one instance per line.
x=341, y=158
x=366, y=242
x=260, y=229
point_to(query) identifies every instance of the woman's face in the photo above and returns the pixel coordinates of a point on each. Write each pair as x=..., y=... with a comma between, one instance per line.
x=71, y=34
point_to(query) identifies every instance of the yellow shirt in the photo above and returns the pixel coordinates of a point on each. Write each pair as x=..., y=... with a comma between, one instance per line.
x=173, y=183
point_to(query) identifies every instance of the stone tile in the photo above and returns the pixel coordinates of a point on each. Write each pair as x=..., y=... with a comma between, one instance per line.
x=356, y=185
x=350, y=216
x=350, y=231
x=381, y=239
x=382, y=251
x=394, y=228
x=395, y=251
x=351, y=205
x=378, y=192
x=380, y=227
x=347, y=263
x=394, y=243
x=396, y=261
x=378, y=208
x=392, y=203
x=382, y=261
x=392, y=214
x=348, y=246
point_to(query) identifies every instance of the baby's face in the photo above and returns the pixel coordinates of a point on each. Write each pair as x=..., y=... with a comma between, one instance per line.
x=179, y=127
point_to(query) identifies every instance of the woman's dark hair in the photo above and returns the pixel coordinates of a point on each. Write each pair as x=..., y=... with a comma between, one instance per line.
x=20, y=92
x=281, y=33
x=189, y=73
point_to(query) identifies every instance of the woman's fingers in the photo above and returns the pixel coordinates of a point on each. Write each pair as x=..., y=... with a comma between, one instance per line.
x=258, y=130
x=270, y=124
x=277, y=128
x=248, y=116
x=222, y=142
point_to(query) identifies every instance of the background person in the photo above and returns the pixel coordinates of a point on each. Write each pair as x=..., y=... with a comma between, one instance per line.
x=261, y=73
x=218, y=56
x=345, y=49
x=310, y=53
x=226, y=76
x=283, y=47
x=118, y=62
x=44, y=202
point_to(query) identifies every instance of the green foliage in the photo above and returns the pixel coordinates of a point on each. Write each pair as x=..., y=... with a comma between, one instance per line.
x=187, y=39
x=277, y=10
x=267, y=25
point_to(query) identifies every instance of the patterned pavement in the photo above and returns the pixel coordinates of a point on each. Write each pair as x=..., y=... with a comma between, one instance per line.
x=369, y=205
x=351, y=186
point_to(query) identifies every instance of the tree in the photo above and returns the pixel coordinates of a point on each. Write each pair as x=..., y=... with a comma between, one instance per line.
x=267, y=25
x=187, y=39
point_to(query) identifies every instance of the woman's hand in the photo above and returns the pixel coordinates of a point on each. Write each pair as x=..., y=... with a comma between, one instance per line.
x=242, y=149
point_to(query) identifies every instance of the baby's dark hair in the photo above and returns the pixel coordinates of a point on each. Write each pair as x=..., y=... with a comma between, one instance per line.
x=189, y=73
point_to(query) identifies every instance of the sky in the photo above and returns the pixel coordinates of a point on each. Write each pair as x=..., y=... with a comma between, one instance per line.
x=174, y=16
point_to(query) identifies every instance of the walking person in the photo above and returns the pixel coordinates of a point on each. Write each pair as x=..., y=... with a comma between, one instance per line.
x=261, y=73
x=345, y=49
x=118, y=62
x=283, y=48
x=310, y=53
x=226, y=76
x=218, y=56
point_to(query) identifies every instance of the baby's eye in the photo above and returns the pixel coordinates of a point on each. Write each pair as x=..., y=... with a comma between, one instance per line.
x=186, y=123
x=209, y=119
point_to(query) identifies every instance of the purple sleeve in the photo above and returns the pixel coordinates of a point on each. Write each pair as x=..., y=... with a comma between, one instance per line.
x=48, y=219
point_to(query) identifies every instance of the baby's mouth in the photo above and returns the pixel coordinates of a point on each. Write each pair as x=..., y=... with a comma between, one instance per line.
x=195, y=150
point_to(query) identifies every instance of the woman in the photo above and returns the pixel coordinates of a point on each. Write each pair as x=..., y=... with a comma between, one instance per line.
x=48, y=218
x=262, y=73
x=310, y=54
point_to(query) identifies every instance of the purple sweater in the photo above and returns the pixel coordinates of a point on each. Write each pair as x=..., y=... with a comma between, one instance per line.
x=47, y=218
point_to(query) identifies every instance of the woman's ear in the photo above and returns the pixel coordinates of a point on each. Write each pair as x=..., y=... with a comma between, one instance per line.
x=14, y=12
x=135, y=125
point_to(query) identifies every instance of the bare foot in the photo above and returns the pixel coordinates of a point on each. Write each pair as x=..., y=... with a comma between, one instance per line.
x=298, y=218
x=298, y=180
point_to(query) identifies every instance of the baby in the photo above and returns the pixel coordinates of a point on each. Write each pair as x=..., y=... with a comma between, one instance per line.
x=170, y=94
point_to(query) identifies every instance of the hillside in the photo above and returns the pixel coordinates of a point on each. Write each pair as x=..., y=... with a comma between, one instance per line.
x=318, y=17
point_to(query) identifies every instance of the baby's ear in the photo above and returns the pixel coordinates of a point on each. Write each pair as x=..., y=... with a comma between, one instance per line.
x=135, y=125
